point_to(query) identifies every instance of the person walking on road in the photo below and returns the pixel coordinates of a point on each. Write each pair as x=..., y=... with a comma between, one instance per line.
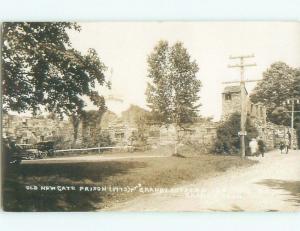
x=253, y=146
x=261, y=147
x=287, y=143
x=281, y=146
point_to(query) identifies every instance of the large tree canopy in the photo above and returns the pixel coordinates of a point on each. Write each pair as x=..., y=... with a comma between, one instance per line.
x=173, y=89
x=280, y=83
x=42, y=70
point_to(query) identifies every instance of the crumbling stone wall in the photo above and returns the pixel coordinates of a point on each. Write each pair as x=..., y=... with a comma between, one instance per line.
x=28, y=130
x=271, y=133
x=202, y=133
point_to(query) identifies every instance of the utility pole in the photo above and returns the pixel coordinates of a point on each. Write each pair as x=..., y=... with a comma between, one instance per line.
x=292, y=124
x=292, y=101
x=242, y=81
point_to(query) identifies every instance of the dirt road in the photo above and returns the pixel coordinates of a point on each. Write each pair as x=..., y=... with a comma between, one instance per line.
x=271, y=185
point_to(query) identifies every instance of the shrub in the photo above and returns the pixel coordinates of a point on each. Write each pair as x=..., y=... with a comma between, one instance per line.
x=101, y=139
x=60, y=142
x=228, y=141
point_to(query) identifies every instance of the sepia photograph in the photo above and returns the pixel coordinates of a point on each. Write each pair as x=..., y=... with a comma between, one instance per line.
x=165, y=116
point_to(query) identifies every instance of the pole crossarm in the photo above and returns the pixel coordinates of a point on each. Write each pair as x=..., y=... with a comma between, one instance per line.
x=243, y=65
x=246, y=81
x=241, y=56
x=226, y=82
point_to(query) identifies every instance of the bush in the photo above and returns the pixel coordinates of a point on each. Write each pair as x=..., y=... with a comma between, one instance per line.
x=102, y=139
x=60, y=142
x=228, y=141
x=138, y=140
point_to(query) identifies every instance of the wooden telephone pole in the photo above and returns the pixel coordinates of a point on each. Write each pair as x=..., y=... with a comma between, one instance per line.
x=242, y=81
x=292, y=101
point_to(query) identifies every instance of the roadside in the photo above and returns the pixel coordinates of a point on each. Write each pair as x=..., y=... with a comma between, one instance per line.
x=121, y=174
x=102, y=156
x=271, y=185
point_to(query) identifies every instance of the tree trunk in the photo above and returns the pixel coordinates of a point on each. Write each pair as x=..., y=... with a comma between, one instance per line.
x=75, y=122
x=176, y=142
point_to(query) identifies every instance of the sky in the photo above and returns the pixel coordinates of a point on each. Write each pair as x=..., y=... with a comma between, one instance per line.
x=124, y=46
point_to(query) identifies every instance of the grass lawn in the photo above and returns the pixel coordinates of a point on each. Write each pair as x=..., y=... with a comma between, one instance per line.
x=149, y=172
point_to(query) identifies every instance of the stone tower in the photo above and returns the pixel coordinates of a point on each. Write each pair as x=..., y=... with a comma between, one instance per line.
x=231, y=100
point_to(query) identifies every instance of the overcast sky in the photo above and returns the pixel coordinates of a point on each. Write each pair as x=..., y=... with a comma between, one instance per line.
x=124, y=46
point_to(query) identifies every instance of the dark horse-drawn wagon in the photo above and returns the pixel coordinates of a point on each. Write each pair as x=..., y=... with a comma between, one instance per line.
x=15, y=153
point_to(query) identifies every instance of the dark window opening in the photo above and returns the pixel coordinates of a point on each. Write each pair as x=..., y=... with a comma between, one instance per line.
x=24, y=122
x=227, y=96
x=120, y=135
x=154, y=133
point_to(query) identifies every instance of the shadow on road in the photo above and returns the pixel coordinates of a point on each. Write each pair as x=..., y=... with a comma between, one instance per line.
x=234, y=208
x=291, y=187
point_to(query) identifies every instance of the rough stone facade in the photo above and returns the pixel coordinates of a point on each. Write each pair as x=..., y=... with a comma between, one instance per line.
x=120, y=129
x=231, y=101
x=28, y=130
x=271, y=133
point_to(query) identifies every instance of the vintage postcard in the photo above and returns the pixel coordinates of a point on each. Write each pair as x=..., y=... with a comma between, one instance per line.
x=150, y=116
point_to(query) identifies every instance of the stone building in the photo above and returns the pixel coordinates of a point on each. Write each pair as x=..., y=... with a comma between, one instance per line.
x=271, y=133
x=29, y=130
x=231, y=102
x=132, y=122
x=120, y=128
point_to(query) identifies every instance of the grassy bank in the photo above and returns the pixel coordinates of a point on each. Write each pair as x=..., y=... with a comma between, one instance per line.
x=149, y=172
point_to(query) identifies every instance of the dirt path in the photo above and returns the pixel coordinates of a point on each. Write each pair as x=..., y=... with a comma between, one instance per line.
x=271, y=185
x=87, y=158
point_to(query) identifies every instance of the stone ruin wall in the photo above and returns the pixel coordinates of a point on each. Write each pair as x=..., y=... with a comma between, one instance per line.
x=28, y=130
x=200, y=133
x=271, y=133
x=32, y=130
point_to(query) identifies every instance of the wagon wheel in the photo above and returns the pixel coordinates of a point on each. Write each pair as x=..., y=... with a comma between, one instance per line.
x=31, y=156
x=43, y=155
x=50, y=152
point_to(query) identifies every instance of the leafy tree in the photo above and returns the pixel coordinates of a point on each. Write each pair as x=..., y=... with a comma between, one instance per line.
x=297, y=107
x=227, y=141
x=277, y=85
x=280, y=83
x=41, y=70
x=173, y=89
x=159, y=89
